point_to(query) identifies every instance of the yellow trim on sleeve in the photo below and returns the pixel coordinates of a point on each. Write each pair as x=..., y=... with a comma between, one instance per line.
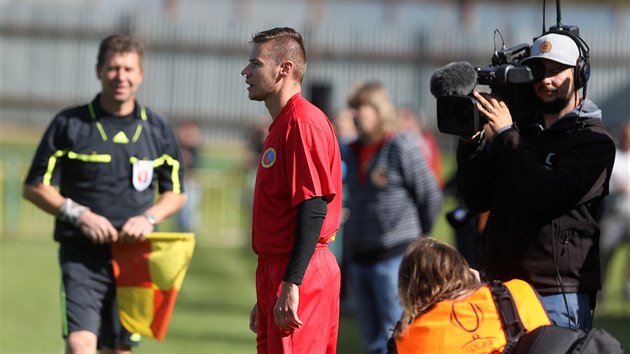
x=168, y=160
x=52, y=162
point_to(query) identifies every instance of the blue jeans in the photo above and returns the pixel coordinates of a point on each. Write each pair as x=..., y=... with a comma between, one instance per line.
x=579, y=315
x=375, y=289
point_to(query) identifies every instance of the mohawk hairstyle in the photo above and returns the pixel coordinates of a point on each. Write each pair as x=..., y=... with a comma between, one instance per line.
x=288, y=45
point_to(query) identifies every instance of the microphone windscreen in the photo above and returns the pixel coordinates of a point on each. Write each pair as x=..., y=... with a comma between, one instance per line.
x=457, y=78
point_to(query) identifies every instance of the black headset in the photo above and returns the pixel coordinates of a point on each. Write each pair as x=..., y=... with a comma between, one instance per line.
x=582, y=70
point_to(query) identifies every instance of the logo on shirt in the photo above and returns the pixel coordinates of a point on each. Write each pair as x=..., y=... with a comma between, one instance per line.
x=379, y=177
x=551, y=157
x=120, y=138
x=142, y=174
x=268, y=158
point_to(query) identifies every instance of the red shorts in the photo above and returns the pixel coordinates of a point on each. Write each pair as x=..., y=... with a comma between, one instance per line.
x=318, y=308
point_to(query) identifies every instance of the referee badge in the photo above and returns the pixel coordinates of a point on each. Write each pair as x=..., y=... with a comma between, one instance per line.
x=142, y=174
x=268, y=158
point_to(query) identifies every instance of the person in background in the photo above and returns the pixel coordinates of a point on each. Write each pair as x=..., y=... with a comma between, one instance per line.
x=467, y=226
x=543, y=177
x=108, y=159
x=297, y=205
x=189, y=137
x=344, y=127
x=410, y=121
x=615, y=221
x=346, y=134
x=394, y=198
x=446, y=309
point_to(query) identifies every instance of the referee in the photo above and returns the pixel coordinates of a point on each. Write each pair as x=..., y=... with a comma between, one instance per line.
x=96, y=169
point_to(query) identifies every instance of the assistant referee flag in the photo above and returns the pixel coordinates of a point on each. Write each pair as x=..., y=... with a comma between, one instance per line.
x=149, y=276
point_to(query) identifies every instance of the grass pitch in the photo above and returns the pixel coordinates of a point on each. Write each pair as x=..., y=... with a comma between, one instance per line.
x=211, y=315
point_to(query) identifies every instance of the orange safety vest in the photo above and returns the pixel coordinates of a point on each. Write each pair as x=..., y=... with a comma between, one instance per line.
x=471, y=324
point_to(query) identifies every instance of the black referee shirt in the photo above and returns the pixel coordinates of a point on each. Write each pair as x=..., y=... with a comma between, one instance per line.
x=110, y=164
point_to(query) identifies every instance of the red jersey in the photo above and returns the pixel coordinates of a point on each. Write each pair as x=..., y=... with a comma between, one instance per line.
x=300, y=161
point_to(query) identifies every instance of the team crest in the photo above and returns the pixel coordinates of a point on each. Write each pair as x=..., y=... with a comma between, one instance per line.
x=379, y=177
x=142, y=174
x=545, y=47
x=268, y=158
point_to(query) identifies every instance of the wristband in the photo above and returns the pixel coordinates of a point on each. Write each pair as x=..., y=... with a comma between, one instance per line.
x=150, y=218
x=71, y=211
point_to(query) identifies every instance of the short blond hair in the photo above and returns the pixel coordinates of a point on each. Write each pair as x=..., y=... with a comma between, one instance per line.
x=374, y=94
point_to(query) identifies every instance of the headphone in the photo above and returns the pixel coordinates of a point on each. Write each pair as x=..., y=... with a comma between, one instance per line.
x=582, y=70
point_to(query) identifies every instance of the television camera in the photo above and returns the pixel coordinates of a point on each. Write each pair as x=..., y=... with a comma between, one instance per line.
x=507, y=78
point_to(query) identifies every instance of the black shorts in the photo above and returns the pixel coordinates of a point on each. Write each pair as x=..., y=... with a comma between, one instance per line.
x=88, y=295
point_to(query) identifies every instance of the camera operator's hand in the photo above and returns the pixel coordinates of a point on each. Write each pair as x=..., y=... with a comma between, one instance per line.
x=495, y=110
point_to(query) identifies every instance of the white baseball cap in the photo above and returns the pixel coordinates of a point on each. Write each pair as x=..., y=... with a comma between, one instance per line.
x=557, y=47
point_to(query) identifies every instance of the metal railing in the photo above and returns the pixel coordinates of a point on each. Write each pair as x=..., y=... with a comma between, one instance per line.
x=218, y=208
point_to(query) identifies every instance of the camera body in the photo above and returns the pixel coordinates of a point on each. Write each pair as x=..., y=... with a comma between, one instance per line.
x=507, y=78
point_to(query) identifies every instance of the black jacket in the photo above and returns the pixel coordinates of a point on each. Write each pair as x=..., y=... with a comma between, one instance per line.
x=544, y=189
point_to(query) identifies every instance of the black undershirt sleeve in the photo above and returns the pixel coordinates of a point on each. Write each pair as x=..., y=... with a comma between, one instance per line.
x=308, y=225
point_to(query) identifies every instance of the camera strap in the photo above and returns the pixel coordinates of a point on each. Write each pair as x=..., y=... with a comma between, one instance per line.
x=510, y=319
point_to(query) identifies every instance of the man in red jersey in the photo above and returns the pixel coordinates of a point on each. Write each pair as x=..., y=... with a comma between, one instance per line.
x=297, y=205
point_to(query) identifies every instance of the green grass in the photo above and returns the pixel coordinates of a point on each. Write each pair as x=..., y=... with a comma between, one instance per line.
x=29, y=298
x=212, y=312
x=211, y=315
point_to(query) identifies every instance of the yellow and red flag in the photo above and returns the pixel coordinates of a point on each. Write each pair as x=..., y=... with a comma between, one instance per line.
x=149, y=276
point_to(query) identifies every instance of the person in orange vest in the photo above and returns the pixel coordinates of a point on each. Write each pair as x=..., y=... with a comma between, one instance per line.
x=447, y=310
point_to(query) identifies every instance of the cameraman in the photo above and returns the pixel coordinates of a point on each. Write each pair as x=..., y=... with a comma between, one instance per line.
x=542, y=178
